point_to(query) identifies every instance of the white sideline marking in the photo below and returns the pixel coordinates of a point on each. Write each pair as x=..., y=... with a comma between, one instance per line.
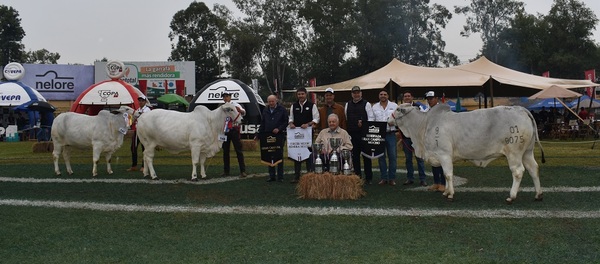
x=318, y=211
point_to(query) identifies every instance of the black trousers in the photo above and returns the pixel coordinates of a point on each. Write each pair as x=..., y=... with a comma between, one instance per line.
x=135, y=141
x=356, y=138
x=233, y=136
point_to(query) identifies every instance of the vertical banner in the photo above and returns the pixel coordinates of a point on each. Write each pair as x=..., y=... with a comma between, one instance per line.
x=143, y=86
x=271, y=149
x=299, y=141
x=546, y=74
x=590, y=75
x=373, y=142
x=180, y=87
x=255, y=85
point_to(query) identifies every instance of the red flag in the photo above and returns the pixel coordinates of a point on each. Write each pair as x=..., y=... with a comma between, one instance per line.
x=443, y=98
x=590, y=75
x=312, y=82
x=546, y=74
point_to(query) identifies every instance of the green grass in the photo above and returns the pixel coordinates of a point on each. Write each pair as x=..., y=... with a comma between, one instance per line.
x=51, y=235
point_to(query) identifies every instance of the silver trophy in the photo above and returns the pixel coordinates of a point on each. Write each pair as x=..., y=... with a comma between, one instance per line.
x=317, y=149
x=334, y=162
x=346, y=155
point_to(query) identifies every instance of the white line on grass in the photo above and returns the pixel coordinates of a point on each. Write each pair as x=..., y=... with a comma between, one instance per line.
x=319, y=211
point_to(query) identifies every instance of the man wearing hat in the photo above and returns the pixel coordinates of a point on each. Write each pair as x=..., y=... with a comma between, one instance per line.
x=439, y=181
x=134, y=139
x=233, y=136
x=331, y=107
x=358, y=113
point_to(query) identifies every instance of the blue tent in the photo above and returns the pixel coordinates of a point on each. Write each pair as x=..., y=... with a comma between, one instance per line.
x=454, y=108
x=584, y=102
x=547, y=103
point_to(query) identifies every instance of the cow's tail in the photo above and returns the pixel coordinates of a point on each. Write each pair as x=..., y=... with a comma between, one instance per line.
x=537, y=136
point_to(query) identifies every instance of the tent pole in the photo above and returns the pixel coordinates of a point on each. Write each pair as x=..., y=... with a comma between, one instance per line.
x=491, y=91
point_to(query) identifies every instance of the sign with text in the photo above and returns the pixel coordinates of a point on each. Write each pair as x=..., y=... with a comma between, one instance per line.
x=58, y=82
x=373, y=141
x=271, y=149
x=299, y=141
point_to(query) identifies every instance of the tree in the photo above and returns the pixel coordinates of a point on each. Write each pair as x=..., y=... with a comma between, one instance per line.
x=197, y=33
x=11, y=35
x=42, y=56
x=490, y=18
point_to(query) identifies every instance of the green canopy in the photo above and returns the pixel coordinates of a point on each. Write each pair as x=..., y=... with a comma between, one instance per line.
x=172, y=99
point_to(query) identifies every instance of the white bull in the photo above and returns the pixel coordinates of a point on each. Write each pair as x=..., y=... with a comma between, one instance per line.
x=176, y=132
x=103, y=133
x=441, y=137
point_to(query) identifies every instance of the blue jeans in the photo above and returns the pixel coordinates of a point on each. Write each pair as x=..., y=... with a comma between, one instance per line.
x=390, y=150
x=410, y=169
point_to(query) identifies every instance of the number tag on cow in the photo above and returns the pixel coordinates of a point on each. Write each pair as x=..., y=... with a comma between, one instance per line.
x=222, y=137
x=123, y=130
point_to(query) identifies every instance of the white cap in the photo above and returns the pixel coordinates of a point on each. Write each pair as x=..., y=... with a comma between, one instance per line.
x=141, y=97
x=430, y=94
x=329, y=90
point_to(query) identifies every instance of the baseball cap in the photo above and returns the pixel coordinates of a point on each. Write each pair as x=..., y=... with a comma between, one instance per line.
x=430, y=94
x=329, y=90
x=225, y=93
x=355, y=88
x=141, y=97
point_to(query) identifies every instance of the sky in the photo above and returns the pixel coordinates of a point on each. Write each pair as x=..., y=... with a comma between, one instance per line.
x=83, y=31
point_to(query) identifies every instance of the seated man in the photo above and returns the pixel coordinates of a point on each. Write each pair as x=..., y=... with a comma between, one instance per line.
x=334, y=131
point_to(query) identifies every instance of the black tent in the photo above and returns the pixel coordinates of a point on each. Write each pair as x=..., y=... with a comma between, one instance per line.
x=210, y=96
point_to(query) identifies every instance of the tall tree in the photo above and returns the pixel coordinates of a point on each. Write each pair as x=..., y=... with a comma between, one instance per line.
x=11, y=35
x=42, y=56
x=490, y=18
x=197, y=33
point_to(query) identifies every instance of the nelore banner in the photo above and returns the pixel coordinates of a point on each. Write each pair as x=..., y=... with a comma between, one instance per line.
x=155, y=78
x=58, y=82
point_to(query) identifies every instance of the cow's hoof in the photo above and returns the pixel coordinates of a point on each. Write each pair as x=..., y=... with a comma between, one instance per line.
x=155, y=178
x=509, y=201
x=194, y=179
x=147, y=177
x=539, y=198
x=110, y=173
x=58, y=174
x=449, y=199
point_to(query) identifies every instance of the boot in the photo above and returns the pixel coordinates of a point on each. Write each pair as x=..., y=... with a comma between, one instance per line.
x=441, y=188
x=433, y=187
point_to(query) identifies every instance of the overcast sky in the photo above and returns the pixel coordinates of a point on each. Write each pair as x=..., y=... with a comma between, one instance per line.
x=83, y=31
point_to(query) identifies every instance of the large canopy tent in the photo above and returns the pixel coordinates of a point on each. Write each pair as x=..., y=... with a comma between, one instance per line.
x=479, y=76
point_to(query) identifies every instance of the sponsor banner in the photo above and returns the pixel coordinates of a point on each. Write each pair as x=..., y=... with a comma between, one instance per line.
x=57, y=81
x=213, y=93
x=299, y=141
x=160, y=76
x=373, y=141
x=271, y=149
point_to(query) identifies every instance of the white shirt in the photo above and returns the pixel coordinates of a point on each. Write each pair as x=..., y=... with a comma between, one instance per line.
x=382, y=114
x=239, y=106
x=314, y=112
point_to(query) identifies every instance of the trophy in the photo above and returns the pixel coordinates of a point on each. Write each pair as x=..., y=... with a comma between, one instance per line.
x=317, y=149
x=334, y=162
x=346, y=155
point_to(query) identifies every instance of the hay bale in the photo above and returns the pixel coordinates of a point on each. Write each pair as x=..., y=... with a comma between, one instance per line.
x=42, y=147
x=323, y=186
x=249, y=145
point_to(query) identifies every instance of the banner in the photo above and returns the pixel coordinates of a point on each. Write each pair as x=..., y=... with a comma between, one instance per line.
x=299, y=141
x=373, y=142
x=271, y=149
x=57, y=81
x=590, y=75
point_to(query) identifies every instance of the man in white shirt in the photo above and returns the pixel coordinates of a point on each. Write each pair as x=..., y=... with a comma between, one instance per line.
x=382, y=110
x=135, y=141
x=304, y=114
x=233, y=136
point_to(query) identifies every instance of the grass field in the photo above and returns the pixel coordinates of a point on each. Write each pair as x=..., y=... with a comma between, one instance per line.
x=122, y=218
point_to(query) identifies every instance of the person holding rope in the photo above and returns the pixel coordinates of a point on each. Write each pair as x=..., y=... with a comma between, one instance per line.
x=408, y=149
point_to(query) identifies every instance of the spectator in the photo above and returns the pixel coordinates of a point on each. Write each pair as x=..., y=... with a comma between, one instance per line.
x=135, y=141
x=331, y=107
x=408, y=149
x=304, y=114
x=274, y=121
x=382, y=110
x=439, y=180
x=358, y=113
x=233, y=136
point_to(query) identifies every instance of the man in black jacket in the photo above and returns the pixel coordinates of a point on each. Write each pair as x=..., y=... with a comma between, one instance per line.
x=274, y=120
x=304, y=114
x=358, y=113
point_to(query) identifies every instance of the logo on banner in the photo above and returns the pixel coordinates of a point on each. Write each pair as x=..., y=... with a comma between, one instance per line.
x=374, y=129
x=13, y=71
x=298, y=135
x=55, y=84
x=115, y=69
x=105, y=94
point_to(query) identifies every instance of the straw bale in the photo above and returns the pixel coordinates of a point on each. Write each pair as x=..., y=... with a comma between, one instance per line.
x=321, y=186
x=42, y=147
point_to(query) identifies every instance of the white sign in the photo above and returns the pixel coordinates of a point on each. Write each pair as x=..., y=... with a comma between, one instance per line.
x=299, y=140
x=115, y=69
x=213, y=93
x=13, y=71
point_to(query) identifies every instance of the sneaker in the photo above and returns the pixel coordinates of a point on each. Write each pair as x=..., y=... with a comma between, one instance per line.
x=383, y=182
x=423, y=183
x=408, y=182
x=243, y=175
x=392, y=182
x=132, y=169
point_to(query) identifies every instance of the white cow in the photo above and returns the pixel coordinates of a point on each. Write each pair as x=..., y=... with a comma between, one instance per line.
x=175, y=132
x=103, y=133
x=441, y=137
